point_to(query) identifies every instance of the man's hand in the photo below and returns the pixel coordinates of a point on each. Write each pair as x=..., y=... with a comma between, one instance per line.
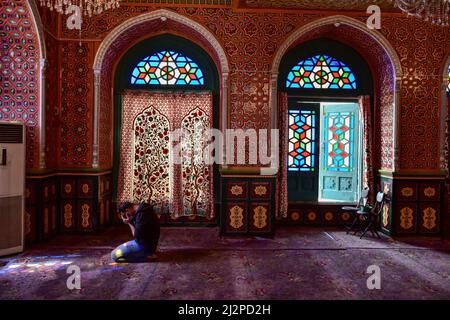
x=125, y=219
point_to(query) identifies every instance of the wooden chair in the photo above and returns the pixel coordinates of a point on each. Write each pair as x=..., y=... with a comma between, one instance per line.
x=361, y=203
x=371, y=217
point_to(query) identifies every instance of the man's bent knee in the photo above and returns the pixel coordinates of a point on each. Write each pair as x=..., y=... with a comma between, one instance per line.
x=117, y=255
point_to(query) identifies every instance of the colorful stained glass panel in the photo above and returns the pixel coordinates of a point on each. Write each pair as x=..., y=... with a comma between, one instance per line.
x=339, y=137
x=167, y=68
x=321, y=72
x=448, y=83
x=301, y=155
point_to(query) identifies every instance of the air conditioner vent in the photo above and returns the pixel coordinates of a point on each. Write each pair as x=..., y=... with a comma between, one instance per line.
x=11, y=133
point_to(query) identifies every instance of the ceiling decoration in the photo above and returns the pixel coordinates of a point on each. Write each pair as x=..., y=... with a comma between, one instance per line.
x=181, y=2
x=319, y=4
x=87, y=7
x=434, y=11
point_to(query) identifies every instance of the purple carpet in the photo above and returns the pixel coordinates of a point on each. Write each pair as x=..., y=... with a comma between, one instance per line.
x=195, y=263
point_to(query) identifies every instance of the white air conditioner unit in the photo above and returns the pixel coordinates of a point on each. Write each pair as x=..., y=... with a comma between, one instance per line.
x=12, y=187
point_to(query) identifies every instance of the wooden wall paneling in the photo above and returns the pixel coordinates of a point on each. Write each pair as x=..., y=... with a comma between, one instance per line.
x=248, y=205
x=31, y=203
x=68, y=215
x=416, y=206
x=405, y=217
x=30, y=224
x=386, y=219
x=86, y=215
x=295, y=216
x=260, y=218
x=429, y=218
x=330, y=216
x=235, y=218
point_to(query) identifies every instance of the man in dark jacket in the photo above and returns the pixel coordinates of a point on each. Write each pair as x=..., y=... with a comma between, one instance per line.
x=144, y=225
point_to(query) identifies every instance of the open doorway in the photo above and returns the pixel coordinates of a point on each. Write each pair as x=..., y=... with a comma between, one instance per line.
x=325, y=129
x=324, y=150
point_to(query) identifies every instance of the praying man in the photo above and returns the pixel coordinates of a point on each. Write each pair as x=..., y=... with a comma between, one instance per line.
x=145, y=228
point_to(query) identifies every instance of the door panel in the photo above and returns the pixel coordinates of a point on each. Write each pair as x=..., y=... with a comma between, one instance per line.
x=303, y=147
x=338, y=177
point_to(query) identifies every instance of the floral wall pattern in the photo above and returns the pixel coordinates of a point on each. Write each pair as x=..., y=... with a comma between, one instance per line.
x=196, y=176
x=422, y=52
x=76, y=99
x=250, y=39
x=52, y=110
x=20, y=73
x=145, y=172
x=151, y=158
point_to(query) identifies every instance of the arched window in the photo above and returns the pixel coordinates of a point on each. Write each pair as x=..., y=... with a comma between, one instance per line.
x=160, y=85
x=321, y=72
x=324, y=135
x=167, y=68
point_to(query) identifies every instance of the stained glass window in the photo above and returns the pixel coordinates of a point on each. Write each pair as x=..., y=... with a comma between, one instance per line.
x=301, y=155
x=167, y=68
x=321, y=72
x=339, y=137
x=448, y=83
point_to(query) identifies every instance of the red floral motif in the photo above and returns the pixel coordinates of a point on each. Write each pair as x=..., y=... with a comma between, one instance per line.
x=197, y=184
x=145, y=172
x=151, y=164
x=76, y=99
x=250, y=39
x=19, y=70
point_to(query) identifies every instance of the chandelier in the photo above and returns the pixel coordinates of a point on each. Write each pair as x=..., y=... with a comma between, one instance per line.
x=87, y=7
x=434, y=11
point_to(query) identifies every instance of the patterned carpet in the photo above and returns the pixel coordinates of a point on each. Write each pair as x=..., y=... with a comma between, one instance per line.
x=196, y=263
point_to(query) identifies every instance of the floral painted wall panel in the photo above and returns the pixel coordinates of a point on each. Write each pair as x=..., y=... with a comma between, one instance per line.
x=147, y=172
x=19, y=73
x=76, y=104
x=196, y=176
x=52, y=112
x=422, y=49
x=150, y=178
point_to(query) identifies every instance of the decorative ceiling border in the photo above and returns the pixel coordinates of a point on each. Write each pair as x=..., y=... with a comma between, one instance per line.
x=212, y=3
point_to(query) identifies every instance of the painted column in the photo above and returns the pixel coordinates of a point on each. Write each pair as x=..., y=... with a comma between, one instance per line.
x=96, y=110
x=396, y=125
x=273, y=124
x=224, y=116
x=42, y=67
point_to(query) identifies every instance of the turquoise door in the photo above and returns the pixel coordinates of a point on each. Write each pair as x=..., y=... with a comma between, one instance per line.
x=339, y=163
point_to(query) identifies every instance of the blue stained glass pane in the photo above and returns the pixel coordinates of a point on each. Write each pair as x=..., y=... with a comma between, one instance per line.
x=339, y=137
x=167, y=68
x=321, y=72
